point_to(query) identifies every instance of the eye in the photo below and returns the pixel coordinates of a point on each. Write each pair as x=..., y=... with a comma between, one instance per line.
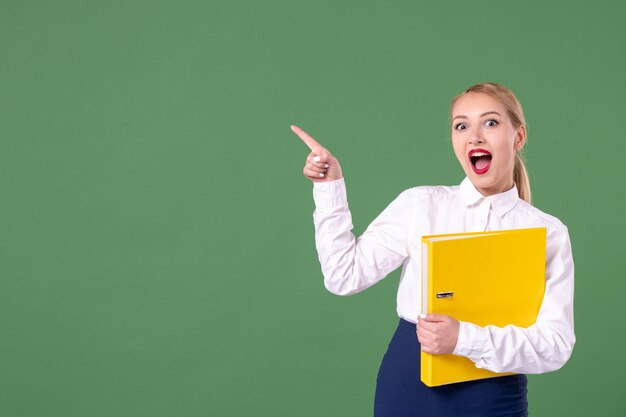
x=460, y=126
x=491, y=123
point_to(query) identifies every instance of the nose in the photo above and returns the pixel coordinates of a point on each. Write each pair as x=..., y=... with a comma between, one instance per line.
x=475, y=137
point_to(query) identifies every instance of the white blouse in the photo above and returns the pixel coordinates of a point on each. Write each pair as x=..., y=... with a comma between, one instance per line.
x=351, y=264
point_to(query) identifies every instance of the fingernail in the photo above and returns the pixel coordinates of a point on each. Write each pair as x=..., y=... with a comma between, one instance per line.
x=321, y=175
x=317, y=159
x=326, y=165
x=422, y=316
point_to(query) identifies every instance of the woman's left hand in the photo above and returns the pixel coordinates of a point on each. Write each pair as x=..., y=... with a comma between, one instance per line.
x=437, y=333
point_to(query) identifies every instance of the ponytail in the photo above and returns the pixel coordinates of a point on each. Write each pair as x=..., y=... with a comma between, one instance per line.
x=520, y=177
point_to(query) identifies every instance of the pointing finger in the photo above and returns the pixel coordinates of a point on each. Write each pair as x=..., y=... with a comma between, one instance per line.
x=306, y=138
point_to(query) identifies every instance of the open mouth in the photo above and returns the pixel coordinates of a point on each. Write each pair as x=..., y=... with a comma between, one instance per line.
x=480, y=160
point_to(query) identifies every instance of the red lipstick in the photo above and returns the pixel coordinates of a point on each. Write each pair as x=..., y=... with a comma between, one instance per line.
x=480, y=160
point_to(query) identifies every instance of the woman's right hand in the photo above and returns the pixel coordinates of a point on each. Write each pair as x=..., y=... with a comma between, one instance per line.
x=320, y=165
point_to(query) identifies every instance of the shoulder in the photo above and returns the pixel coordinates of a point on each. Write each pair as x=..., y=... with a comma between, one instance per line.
x=430, y=192
x=538, y=217
x=426, y=198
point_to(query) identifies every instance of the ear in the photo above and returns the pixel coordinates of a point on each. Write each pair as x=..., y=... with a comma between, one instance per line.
x=520, y=138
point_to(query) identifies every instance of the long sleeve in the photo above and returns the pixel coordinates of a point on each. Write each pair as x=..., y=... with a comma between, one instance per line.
x=544, y=346
x=351, y=264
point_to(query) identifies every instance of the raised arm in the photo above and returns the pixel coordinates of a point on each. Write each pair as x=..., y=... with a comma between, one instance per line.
x=351, y=264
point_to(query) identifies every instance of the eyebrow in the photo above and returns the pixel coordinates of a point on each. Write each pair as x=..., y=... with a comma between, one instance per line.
x=484, y=114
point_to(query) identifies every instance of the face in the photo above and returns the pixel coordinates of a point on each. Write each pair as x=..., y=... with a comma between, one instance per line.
x=485, y=142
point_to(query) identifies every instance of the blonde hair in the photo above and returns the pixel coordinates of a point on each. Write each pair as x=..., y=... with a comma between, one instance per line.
x=514, y=110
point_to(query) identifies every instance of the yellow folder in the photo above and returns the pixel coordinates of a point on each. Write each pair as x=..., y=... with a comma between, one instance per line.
x=486, y=278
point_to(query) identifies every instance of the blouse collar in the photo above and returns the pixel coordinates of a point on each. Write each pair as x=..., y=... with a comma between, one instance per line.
x=501, y=203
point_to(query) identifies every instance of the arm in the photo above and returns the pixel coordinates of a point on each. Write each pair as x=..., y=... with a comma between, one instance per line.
x=544, y=346
x=351, y=264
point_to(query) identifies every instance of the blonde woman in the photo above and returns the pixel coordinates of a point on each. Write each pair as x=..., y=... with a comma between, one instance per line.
x=488, y=131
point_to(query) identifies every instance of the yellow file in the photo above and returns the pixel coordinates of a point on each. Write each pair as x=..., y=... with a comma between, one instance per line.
x=486, y=278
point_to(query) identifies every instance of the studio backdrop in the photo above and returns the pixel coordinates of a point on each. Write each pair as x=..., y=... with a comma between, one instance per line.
x=157, y=254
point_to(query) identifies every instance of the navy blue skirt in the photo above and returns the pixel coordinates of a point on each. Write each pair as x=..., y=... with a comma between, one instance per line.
x=400, y=393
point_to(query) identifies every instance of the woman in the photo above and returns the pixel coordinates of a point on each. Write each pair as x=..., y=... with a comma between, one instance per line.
x=488, y=132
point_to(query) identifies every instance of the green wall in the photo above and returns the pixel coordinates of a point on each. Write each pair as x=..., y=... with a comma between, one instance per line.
x=156, y=235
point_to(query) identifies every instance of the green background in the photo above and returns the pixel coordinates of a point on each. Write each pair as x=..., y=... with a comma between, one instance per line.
x=157, y=254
